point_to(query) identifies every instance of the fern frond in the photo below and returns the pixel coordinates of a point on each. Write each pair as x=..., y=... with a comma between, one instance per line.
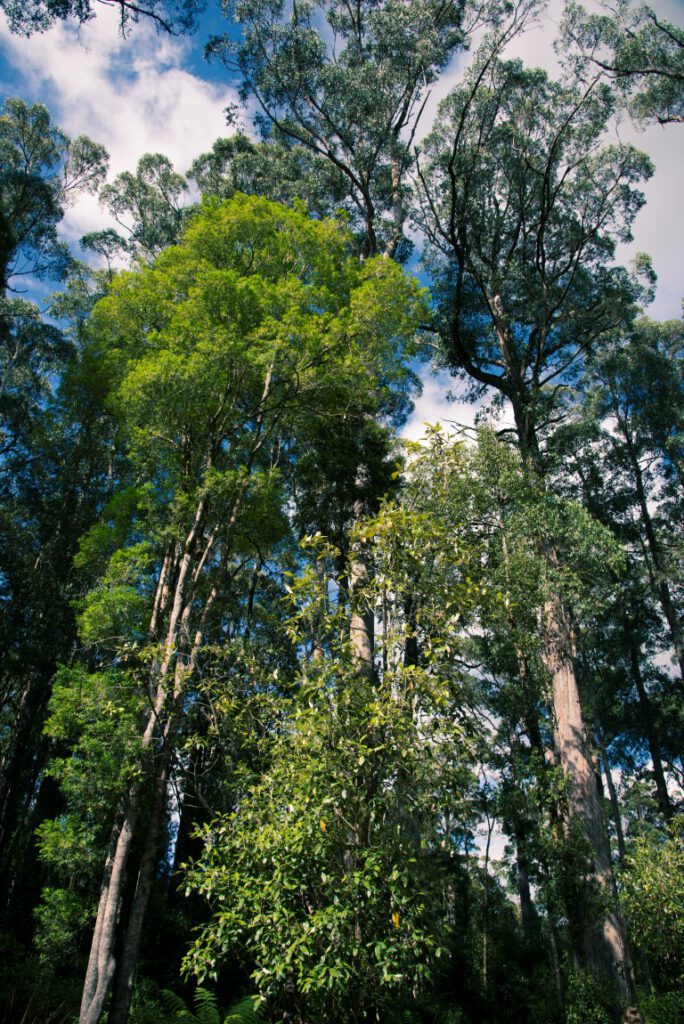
x=247, y=1011
x=206, y=1007
x=175, y=1007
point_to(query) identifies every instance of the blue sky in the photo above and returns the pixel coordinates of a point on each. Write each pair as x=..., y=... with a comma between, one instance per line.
x=152, y=93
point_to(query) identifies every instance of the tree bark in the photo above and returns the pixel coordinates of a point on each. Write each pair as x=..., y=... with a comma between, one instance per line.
x=612, y=794
x=126, y=968
x=651, y=735
x=606, y=949
x=362, y=621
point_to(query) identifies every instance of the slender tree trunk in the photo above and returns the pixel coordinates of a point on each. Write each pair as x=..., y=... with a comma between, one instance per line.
x=661, y=585
x=362, y=621
x=126, y=968
x=101, y=962
x=528, y=915
x=179, y=573
x=557, y=971
x=612, y=795
x=125, y=978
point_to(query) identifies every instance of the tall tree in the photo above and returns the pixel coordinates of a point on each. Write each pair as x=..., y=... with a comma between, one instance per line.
x=151, y=207
x=522, y=203
x=41, y=170
x=42, y=464
x=351, y=92
x=217, y=358
x=640, y=382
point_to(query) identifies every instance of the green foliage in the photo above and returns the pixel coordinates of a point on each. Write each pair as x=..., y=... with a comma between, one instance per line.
x=351, y=103
x=662, y=1008
x=235, y=391
x=652, y=894
x=247, y=1011
x=327, y=878
x=522, y=207
x=61, y=918
x=634, y=47
x=585, y=1002
x=171, y=15
x=150, y=206
x=41, y=170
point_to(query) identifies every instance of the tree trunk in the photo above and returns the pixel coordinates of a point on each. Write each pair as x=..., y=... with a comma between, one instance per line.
x=128, y=961
x=612, y=794
x=605, y=941
x=362, y=622
x=660, y=582
x=101, y=962
x=651, y=735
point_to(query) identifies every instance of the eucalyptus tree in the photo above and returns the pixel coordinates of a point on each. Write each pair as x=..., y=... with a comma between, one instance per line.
x=635, y=48
x=522, y=203
x=278, y=169
x=151, y=207
x=638, y=381
x=41, y=171
x=349, y=82
x=627, y=643
x=172, y=16
x=54, y=481
x=217, y=358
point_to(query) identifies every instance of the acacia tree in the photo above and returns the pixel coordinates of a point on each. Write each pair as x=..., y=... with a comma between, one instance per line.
x=216, y=359
x=522, y=204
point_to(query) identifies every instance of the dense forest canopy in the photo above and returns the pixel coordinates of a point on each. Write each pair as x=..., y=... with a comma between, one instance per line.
x=302, y=721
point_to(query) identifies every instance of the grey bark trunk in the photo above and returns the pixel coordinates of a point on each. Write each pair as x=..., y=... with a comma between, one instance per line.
x=362, y=621
x=126, y=968
x=605, y=949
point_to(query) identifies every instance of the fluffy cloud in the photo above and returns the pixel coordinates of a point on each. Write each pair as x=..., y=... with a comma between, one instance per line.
x=135, y=95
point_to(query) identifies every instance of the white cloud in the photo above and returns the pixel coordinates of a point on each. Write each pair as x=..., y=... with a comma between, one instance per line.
x=133, y=95
x=434, y=406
